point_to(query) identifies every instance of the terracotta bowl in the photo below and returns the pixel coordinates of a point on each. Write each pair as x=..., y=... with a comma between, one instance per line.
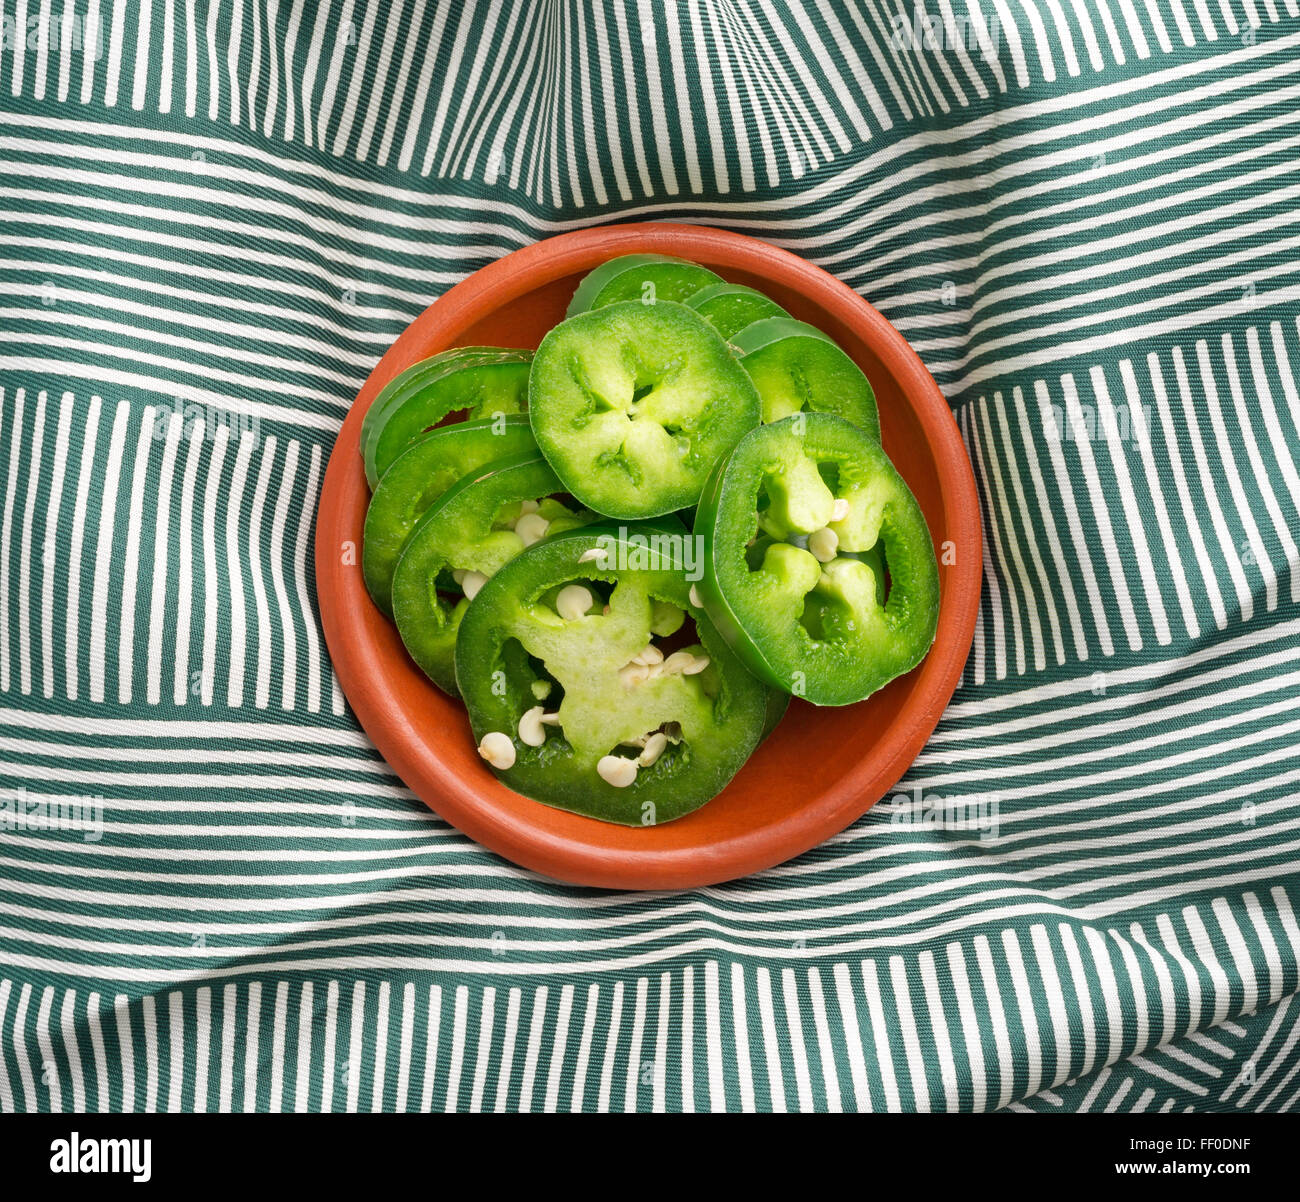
x=822, y=768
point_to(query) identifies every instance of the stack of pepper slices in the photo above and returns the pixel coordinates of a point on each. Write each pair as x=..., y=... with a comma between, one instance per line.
x=644, y=537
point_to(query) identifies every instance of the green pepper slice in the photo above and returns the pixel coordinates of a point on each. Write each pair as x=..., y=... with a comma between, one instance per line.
x=806, y=528
x=568, y=701
x=418, y=477
x=478, y=381
x=476, y=526
x=632, y=405
x=729, y=308
x=798, y=368
x=645, y=278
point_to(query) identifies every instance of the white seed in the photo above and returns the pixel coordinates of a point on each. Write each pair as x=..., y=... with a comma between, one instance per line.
x=649, y=654
x=472, y=583
x=655, y=746
x=572, y=601
x=530, y=727
x=697, y=665
x=458, y=575
x=593, y=553
x=616, y=770
x=631, y=675
x=840, y=510
x=532, y=528
x=695, y=598
x=823, y=544
x=498, y=749
x=528, y=506
x=679, y=661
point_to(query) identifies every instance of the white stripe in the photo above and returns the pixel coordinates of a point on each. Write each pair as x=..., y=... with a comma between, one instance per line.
x=1203, y=949
x=830, y=1076
x=72, y=1049
x=484, y=1049
x=50, y=542
x=126, y=1049
x=6, y=1089
x=331, y=1034
x=185, y=566
x=79, y=511
x=11, y=488
x=970, y=1027
x=740, y=1044
x=236, y=635
x=1240, y=953
x=202, y=1046
x=1272, y=957
x=262, y=686
x=104, y=568
x=508, y=1048
x=158, y=610
x=149, y=1007
x=532, y=1048
x=226, y=1089
x=455, y=1066
x=852, y=1038
x=175, y=1051
x=909, y=1035
x=381, y=1048
x=771, y=1047
x=406, y=1043
x=880, y=1035
x=713, y=1036
x=632, y=1086
x=1015, y=962
x=356, y=1047
x=659, y=1101
x=279, y=1036
x=584, y=1050
x=686, y=1030
x=49, y=1066
x=306, y=1020
x=25, y=551
x=252, y=1030
x=97, y=1045
x=1109, y=991
x=131, y=573
x=211, y=582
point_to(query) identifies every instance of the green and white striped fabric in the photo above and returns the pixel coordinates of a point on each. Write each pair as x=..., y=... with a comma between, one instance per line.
x=215, y=216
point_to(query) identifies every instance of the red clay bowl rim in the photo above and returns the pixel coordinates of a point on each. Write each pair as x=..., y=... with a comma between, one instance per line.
x=357, y=658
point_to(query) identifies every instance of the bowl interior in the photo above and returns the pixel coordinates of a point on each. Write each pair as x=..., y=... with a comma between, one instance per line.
x=822, y=767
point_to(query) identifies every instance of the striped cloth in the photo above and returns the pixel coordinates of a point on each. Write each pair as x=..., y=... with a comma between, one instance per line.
x=217, y=214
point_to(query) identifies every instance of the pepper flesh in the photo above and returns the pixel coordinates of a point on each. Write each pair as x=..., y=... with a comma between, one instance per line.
x=511, y=636
x=417, y=478
x=632, y=404
x=469, y=528
x=645, y=278
x=481, y=382
x=817, y=630
x=799, y=368
x=729, y=308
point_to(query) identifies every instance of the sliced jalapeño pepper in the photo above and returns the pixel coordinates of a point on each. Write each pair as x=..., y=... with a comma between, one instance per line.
x=478, y=524
x=476, y=381
x=418, y=477
x=802, y=527
x=574, y=702
x=729, y=308
x=632, y=405
x=797, y=368
x=645, y=278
